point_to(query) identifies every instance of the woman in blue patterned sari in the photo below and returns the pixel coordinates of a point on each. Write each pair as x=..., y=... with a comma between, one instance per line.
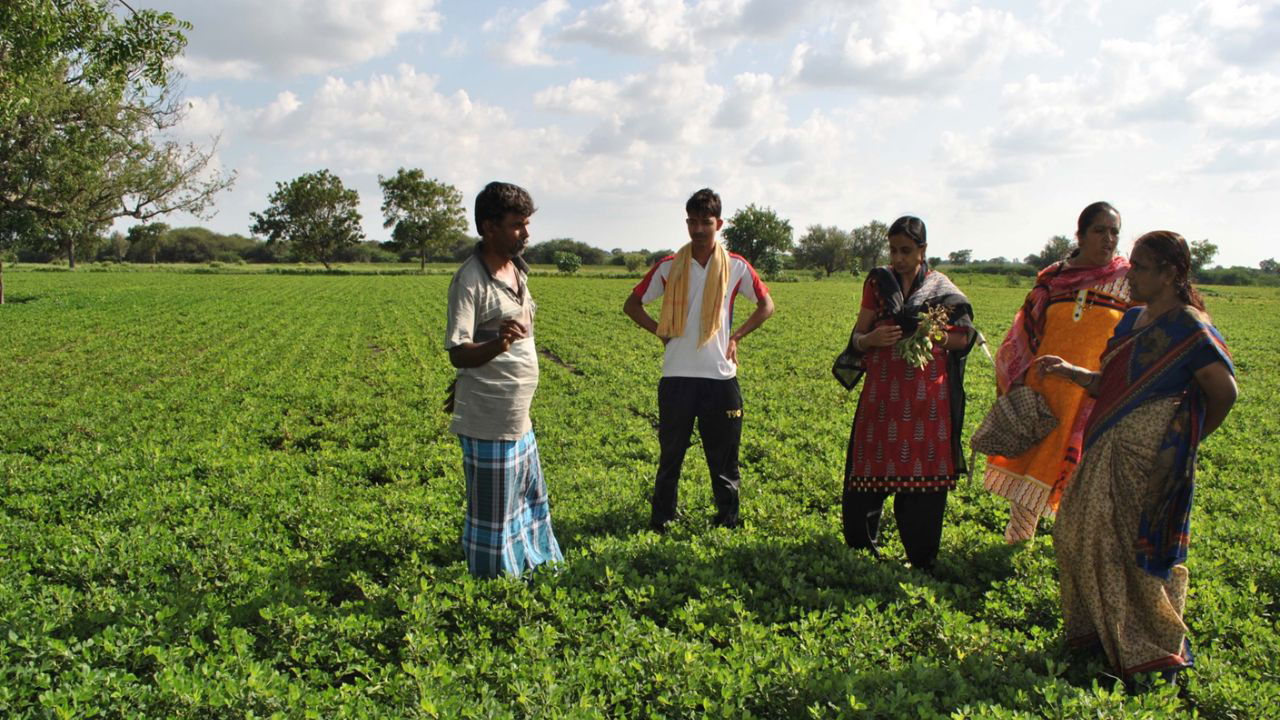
x=1121, y=535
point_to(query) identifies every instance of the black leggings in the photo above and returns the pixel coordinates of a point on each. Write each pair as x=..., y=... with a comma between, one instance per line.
x=919, y=517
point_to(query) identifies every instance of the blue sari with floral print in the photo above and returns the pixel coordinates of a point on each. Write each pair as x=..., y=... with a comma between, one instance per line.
x=1160, y=361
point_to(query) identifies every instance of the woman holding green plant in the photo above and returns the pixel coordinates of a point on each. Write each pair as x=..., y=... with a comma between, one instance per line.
x=1121, y=536
x=913, y=333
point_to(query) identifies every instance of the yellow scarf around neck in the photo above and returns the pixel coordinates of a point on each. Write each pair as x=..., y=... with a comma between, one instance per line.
x=675, y=298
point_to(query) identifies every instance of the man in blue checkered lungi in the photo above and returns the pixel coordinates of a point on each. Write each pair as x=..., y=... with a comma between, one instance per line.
x=490, y=340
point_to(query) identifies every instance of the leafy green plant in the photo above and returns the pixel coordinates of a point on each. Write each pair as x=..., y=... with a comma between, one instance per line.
x=917, y=348
x=567, y=262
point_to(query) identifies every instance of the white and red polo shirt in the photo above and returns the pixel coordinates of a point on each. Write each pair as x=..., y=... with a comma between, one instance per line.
x=683, y=357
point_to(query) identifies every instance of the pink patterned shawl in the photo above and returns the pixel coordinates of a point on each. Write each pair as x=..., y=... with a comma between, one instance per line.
x=1023, y=339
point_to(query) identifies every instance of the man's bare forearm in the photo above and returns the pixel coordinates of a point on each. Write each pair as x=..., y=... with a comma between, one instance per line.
x=470, y=355
x=634, y=309
x=763, y=311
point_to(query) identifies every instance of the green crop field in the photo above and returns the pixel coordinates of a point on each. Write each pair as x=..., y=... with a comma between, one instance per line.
x=234, y=495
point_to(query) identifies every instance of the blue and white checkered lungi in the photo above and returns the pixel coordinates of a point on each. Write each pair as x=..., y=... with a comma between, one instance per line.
x=508, y=523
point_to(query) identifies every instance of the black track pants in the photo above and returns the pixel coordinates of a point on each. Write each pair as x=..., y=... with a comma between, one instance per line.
x=717, y=406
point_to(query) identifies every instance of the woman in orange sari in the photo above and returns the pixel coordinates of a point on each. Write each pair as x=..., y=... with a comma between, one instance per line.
x=1070, y=313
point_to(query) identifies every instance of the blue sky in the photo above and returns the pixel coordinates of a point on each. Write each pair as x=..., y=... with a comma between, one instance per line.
x=996, y=122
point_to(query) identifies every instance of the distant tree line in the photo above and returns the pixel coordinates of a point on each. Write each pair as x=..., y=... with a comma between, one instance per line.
x=158, y=243
x=313, y=218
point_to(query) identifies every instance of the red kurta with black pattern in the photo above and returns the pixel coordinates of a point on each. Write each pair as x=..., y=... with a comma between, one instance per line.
x=902, y=430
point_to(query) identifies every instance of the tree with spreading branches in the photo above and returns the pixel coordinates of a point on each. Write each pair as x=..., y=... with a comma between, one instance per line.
x=870, y=245
x=88, y=97
x=757, y=233
x=828, y=248
x=314, y=214
x=426, y=215
x=1202, y=253
x=144, y=239
x=1057, y=248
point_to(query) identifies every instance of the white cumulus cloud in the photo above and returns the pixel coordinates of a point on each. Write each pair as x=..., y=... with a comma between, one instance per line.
x=683, y=31
x=657, y=27
x=1238, y=101
x=244, y=38
x=673, y=103
x=582, y=96
x=519, y=38
x=752, y=100
x=909, y=46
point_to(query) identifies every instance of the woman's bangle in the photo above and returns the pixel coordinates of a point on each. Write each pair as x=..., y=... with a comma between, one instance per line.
x=857, y=342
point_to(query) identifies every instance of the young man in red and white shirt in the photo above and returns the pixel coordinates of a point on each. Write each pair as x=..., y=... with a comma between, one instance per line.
x=700, y=364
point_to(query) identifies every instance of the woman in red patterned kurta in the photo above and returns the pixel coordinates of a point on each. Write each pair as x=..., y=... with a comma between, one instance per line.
x=906, y=432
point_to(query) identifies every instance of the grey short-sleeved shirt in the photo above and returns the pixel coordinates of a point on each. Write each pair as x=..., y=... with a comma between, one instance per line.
x=491, y=402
